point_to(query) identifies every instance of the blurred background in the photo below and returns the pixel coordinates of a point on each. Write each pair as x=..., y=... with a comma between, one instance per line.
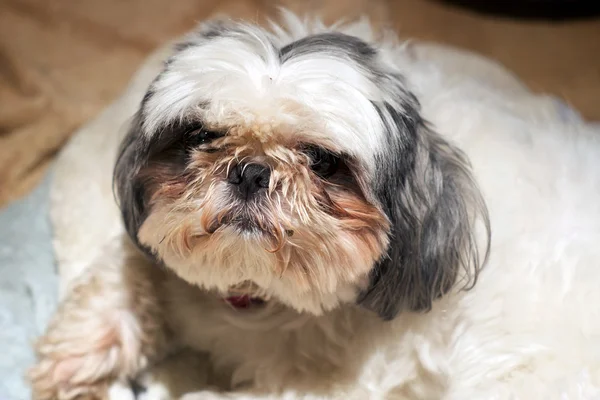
x=62, y=61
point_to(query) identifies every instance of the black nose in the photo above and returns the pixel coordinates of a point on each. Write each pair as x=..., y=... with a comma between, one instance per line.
x=249, y=178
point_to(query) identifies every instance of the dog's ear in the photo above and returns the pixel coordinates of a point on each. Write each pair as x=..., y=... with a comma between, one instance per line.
x=425, y=188
x=129, y=190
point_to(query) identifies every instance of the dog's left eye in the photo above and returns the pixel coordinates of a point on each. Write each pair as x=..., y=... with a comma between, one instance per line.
x=323, y=162
x=199, y=137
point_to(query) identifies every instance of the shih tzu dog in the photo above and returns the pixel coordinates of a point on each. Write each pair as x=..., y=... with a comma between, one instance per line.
x=301, y=207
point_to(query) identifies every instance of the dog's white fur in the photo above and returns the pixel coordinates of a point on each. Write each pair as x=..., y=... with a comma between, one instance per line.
x=530, y=328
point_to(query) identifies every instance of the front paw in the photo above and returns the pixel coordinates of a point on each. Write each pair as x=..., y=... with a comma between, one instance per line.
x=106, y=329
x=83, y=353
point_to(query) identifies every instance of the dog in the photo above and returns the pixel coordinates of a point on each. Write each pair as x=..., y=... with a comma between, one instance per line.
x=324, y=215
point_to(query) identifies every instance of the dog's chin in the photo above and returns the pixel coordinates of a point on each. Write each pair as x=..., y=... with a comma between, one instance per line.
x=245, y=227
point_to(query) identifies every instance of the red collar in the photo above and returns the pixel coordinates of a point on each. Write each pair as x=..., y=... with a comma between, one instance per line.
x=243, y=302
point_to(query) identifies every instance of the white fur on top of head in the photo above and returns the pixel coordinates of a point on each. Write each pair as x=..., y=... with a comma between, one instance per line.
x=232, y=72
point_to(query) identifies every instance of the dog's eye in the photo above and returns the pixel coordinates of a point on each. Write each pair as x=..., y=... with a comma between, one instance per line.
x=198, y=137
x=322, y=162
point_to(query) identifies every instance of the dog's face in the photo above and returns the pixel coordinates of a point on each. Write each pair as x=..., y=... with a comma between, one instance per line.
x=299, y=170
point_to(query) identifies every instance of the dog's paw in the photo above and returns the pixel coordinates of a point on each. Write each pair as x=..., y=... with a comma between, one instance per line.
x=91, y=342
x=107, y=329
x=58, y=380
x=81, y=360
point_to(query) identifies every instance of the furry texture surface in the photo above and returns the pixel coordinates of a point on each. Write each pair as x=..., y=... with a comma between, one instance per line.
x=528, y=329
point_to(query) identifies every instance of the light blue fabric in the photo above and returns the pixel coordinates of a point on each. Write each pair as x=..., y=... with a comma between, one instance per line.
x=28, y=286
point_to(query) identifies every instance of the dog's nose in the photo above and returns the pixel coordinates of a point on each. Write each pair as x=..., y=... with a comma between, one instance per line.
x=249, y=178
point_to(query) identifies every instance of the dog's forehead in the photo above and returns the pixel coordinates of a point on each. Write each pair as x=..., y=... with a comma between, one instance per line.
x=320, y=85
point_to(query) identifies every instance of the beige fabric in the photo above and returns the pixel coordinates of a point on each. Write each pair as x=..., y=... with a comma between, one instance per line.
x=62, y=61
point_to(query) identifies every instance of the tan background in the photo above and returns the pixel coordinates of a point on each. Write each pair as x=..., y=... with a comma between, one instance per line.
x=61, y=61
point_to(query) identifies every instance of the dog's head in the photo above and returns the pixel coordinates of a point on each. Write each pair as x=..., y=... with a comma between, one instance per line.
x=300, y=169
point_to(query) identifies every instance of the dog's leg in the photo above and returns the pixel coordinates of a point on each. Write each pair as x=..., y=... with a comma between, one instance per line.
x=108, y=327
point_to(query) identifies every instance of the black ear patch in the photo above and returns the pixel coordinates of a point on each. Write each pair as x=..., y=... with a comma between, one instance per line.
x=144, y=163
x=425, y=188
x=129, y=189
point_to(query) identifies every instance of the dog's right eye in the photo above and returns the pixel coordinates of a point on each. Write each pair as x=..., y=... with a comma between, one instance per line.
x=199, y=137
x=322, y=162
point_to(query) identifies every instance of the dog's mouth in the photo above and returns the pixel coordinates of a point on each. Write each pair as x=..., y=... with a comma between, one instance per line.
x=244, y=224
x=241, y=222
